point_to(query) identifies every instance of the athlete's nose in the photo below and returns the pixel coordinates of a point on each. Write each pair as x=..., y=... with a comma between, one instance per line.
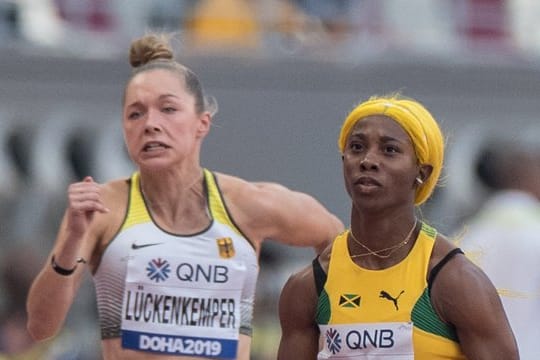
x=369, y=163
x=153, y=121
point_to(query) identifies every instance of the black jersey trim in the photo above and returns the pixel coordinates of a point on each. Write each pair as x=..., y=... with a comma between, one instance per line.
x=437, y=268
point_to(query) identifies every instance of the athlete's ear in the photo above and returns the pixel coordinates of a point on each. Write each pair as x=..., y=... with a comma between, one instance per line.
x=424, y=172
x=205, y=120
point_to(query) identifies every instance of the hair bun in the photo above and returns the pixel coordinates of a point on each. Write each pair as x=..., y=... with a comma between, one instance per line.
x=150, y=48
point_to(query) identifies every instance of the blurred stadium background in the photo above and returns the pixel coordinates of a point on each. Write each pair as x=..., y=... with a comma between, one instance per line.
x=285, y=73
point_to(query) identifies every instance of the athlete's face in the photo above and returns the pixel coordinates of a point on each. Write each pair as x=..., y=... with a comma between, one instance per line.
x=161, y=125
x=379, y=164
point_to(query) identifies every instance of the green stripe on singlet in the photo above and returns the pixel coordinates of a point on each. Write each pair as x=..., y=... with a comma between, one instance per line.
x=424, y=317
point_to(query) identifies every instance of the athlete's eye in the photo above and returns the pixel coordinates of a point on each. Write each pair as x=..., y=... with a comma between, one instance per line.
x=134, y=115
x=169, y=109
x=356, y=146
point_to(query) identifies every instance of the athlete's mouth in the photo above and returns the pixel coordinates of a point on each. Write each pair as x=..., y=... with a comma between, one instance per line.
x=367, y=181
x=155, y=145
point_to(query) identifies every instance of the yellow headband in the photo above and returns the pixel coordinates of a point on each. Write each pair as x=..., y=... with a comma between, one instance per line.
x=417, y=122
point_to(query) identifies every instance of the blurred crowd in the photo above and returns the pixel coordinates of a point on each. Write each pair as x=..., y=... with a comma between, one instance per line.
x=333, y=30
x=270, y=27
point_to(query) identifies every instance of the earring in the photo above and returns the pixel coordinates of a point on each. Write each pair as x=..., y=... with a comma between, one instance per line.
x=419, y=181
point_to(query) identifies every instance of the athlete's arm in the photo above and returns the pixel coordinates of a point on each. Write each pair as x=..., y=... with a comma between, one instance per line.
x=272, y=211
x=297, y=308
x=464, y=296
x=51, y=293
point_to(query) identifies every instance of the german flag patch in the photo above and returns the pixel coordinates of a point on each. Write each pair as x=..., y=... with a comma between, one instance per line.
x=226, y=247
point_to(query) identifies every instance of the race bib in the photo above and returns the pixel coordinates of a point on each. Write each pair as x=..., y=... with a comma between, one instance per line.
x=378, y=341
x=182, y=306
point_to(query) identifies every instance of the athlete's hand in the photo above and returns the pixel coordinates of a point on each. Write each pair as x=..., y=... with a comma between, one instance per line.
x=84, y=200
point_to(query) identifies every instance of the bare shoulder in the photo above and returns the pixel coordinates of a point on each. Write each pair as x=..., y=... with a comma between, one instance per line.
x=459, y=283
x=297, y=316
x=451, y=268
x=254, y=205
x=303, y=281
x=464, y=296
x=441, y=249
x=268, y=210
x=324, y=258
x=115, y=190
x=115, y=195
x=299, y=292
x=247, y=193
x=247, y=204
x=272, y=202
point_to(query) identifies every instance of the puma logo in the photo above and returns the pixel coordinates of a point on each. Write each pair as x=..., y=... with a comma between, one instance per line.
x=383, y=294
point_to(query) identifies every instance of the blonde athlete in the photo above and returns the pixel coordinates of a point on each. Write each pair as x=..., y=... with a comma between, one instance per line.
x=391, y=287
x=173, y=250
